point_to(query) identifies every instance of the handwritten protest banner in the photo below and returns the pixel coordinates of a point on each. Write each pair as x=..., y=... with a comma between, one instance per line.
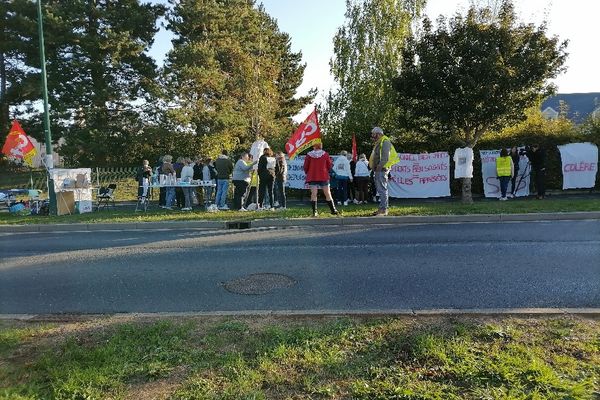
x=420, y=176
x=491, y=183
x=579, y=165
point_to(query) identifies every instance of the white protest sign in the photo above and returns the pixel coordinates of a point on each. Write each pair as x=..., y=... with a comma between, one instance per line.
x=491, y=183
x=296, y=175
x=579, y=165
x=420, y=176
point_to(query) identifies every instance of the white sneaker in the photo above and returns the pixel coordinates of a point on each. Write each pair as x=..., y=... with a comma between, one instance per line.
x=356, y=201
x=339, y=203
x=242, y=209
x=224, y=208
x=503, y=198
x=186, y=209
x=346, y=203
x=276, y=204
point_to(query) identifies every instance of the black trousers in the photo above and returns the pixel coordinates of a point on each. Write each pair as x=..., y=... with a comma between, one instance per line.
x=265, y=183
x=540, y=181
x=239, y=189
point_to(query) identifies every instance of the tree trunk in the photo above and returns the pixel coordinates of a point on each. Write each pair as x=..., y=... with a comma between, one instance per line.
x=467, y=196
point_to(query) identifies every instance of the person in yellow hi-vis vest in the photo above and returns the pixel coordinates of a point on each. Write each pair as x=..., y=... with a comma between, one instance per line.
x=505, y=169
x=382, y=158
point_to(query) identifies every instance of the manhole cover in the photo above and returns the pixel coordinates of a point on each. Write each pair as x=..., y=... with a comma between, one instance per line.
x=258, y=284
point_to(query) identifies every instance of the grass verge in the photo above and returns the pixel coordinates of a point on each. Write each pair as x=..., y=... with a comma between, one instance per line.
x=303, y=358
x=303, y=211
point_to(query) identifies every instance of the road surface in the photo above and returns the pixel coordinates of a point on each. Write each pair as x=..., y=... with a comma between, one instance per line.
x=372, y=267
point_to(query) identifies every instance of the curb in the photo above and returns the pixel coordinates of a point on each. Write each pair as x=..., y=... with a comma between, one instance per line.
x=268, y=223
x=583, y=312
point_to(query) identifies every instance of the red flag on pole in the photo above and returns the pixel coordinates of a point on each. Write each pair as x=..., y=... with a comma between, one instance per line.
x=307, y=134
x=18, y=145
x=354, y=152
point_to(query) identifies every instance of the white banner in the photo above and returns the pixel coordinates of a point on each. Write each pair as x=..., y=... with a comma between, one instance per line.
x=491, y=183
x=579, y=165
x=419, y=176
x=296, y=175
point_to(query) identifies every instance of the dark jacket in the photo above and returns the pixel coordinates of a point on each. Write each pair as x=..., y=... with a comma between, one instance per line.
x=263, y=171
x=224, y=167
x=537, y=158
x=198, y=171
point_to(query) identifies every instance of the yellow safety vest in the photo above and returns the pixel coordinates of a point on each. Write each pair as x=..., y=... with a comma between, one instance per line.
x=503, y=166
x=394, y=159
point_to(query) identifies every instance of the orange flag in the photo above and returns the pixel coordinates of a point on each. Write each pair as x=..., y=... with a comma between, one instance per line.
x=18, y=145
x=305, y=136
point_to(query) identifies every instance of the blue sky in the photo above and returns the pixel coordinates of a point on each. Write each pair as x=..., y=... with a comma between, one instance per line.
x=313, y=23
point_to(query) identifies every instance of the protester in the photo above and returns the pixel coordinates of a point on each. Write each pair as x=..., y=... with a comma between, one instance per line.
x=317, y=165
x=504, y=171
x=343, y=175
x=143, y=176
x=167, y=169
x=162, y=192
x=241, y=180
x=252, y=193
x=352, y=186
x=198, y=175
x=266, y=176
x=280, y=180
x=382, y=158
x=537, y=158
x=179, y=197
x=361, y=179
x=224, y=167
x=514, y=154
x=187, y=174
x=209, y=174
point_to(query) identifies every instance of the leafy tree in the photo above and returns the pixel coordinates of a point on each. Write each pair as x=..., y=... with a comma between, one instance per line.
x=99, y=75
x=19, y=58
x=230, y=77
x=475, y=73
x=368, y=50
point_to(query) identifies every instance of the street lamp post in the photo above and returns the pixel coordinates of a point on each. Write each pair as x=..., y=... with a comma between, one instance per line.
x=47, y=133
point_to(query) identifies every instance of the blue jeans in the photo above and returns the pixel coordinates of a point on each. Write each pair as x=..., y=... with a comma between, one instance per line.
x=342, y=188
x=170, y=194
x=222, y=187
x=280, y=193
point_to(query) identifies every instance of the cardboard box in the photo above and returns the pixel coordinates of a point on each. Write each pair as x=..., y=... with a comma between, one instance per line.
x=65, y=203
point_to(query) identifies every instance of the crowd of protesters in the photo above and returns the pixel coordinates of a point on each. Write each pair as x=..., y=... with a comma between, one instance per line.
x=261, y=184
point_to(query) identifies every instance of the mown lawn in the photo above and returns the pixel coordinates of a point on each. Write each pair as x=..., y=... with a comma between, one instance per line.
x=399, y=208
x=302, y=358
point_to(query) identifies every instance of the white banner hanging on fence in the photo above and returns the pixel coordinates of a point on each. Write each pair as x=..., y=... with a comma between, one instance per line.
x=419, y=176
x=491, y=183
x=296, y=175
x=579, y=165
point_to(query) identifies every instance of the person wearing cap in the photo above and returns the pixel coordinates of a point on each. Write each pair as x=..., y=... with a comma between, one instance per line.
x=382, y=158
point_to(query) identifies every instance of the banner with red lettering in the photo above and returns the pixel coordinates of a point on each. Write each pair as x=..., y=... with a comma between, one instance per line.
x=419, y=176
x=18, y=145
x=579, y=165
x=491, y=183
x=305, y=136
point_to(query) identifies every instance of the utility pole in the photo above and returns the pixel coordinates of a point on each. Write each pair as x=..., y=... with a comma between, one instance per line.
x=47, y=134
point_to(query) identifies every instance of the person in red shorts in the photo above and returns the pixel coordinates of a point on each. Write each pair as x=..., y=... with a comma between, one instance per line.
x=317, y=165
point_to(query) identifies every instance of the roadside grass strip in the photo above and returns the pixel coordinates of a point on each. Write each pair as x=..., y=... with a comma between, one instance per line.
x=517, y=206
x=302, y=358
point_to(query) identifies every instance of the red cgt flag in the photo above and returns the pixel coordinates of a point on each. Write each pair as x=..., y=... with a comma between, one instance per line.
x=354, y=152
x=307, y=134
x=18, y=145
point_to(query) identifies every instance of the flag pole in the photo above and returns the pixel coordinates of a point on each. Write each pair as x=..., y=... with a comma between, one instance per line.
x=47, y=133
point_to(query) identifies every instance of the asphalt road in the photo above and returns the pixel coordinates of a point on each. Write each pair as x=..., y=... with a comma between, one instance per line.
x=375, y=267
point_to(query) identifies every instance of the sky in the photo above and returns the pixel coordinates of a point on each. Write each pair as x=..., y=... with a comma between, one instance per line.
x=312, y=25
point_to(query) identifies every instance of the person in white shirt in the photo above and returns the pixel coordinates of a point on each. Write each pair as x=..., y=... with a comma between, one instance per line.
x=208, y=175
x=187, y=174
x=361, y=179
x=343, y=174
